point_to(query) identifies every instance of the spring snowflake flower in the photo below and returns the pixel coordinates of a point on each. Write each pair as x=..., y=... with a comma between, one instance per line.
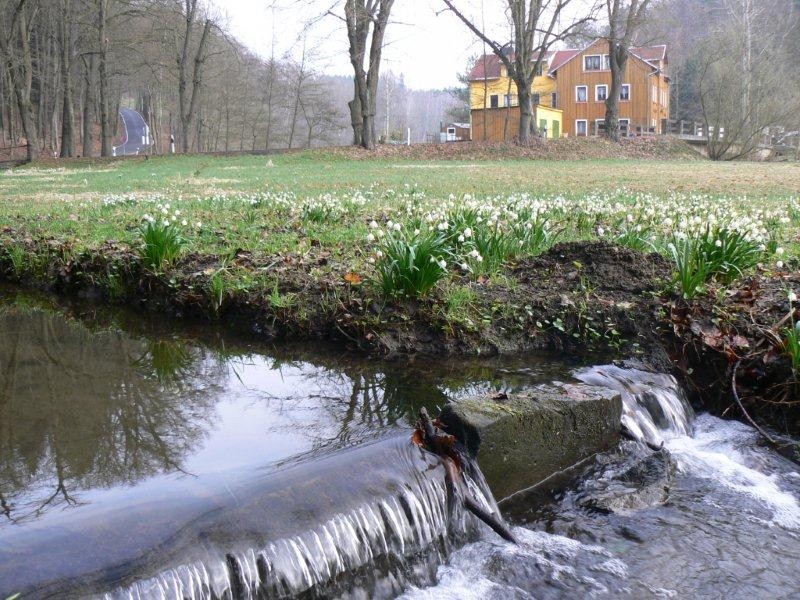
x=198, y=225
x=468, y=232
x=166, y=223
x=184, y=223
x=792, y=297
x=779, y=264
x=464, y=267
x=373, y=224
x=779, y=251
x=379, y=253
x=600, y=231
x=718, y=243
x=442, y=263
x=370, y=237
x=461, y=239
x=396, y=226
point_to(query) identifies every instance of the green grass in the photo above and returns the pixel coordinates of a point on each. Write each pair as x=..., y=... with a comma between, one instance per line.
x=319, y=204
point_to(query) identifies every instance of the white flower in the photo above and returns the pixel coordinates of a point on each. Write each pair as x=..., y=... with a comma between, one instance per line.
x=198, y=224
x=371, y=260
x=464, y=267
x=792, y=297
x=468, y=232
x=416, y=232
x=396, y=226
x=461, y=239
x=379, y=233
x=442, y=263
x=370, y=238
x=373, y=224
x=779, y=264
x=184, y=223
x=379, y=254
x=600, y=231
x=779, y=251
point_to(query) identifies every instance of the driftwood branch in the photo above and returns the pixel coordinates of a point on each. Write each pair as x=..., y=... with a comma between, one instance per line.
x=444, y=446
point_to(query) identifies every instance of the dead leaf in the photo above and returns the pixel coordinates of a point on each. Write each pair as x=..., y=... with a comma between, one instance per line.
x=353, y=278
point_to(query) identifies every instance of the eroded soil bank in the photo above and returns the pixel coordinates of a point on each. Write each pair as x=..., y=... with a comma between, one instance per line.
x=580, y=297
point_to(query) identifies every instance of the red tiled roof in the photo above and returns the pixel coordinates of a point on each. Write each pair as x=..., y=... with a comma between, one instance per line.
x=562, y=56
x=493, y=64
x=486, y=67
x=649, y=53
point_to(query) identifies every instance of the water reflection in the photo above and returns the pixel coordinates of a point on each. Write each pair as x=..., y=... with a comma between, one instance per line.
x=94, y=400
x=83, y=410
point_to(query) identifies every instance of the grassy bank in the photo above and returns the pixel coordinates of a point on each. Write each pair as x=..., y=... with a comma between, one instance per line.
x=398, y=255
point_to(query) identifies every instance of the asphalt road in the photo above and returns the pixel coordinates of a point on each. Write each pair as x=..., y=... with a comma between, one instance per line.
x=136, y=138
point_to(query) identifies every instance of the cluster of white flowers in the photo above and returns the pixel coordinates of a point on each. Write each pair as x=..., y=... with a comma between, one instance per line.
x=168, y=216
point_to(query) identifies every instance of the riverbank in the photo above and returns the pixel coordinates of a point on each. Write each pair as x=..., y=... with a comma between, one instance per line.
x=698, y=282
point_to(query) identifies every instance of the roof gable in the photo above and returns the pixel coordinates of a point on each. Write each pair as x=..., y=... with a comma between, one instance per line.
x=647, y=54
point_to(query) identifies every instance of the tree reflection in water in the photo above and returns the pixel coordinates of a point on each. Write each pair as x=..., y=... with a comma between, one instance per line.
x=82, y=410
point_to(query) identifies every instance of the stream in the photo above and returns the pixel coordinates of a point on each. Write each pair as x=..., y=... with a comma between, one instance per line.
x=139, y=459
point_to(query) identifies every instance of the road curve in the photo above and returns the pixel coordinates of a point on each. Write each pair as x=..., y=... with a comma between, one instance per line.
x=136, y=134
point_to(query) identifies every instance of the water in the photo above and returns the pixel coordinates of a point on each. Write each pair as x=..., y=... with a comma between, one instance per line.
x=713, y=514
x=137, y=456
x=139, y=460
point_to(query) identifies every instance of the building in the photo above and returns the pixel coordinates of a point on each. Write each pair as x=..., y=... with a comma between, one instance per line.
x=454, y=132
x=569, y=93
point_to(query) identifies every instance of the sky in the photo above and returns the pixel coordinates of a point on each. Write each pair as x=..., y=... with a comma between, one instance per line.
x=429, y=49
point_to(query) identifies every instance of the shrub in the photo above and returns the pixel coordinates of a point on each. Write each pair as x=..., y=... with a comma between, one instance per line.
x=161, y=243
x=411, y=265
x=691, y=270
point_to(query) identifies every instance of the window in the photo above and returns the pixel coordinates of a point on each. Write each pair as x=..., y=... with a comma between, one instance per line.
x=494, y=101
x=606, y=63
x=509, y=100
x=625, y=92
x=600, y=93
x=451, y=130
x=581, y=93
x=599, y=126
x=554, y=100
x=580, y=127
x=592, y=62
x=535, y=98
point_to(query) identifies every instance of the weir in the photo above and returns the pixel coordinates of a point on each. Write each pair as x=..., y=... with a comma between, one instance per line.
x=376, y=517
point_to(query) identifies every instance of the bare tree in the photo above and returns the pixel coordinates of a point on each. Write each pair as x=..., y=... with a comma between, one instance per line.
x=366, y=21
x=625, y=17
x=189, y=65
x=15, y=47
x=537, y=25
x=743, y=62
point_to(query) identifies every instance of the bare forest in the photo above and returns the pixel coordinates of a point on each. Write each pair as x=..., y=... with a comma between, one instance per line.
x=68, y=66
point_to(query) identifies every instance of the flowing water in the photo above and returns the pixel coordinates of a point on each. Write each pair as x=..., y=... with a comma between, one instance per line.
x=136, y=462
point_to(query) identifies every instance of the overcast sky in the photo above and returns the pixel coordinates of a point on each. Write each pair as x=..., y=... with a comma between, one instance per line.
x=428, y=49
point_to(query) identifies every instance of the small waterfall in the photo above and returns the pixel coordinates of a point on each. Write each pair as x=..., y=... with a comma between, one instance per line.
x=375, y=549
x=654, y=407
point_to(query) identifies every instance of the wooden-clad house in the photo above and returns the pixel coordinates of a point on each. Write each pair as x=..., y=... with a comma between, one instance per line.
x=570, y=91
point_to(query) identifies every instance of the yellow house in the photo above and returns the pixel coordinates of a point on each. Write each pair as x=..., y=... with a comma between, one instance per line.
x=494, y=101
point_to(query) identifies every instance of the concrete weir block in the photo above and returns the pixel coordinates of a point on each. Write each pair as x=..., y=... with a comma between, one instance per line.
x=520, y=440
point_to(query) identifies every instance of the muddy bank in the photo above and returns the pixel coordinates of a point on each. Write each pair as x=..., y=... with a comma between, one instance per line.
x=578, y=297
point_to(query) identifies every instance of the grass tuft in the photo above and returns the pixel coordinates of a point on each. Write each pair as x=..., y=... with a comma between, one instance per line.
x=161, y=244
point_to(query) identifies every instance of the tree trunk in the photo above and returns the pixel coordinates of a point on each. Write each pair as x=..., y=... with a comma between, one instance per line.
x=88, y=149
x=617, y=58
x=525, y=112
x=106, y=148
x=356, y=120
x=67, y=108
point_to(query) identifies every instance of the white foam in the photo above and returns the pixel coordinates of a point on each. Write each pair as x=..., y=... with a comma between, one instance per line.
x=717, y=452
